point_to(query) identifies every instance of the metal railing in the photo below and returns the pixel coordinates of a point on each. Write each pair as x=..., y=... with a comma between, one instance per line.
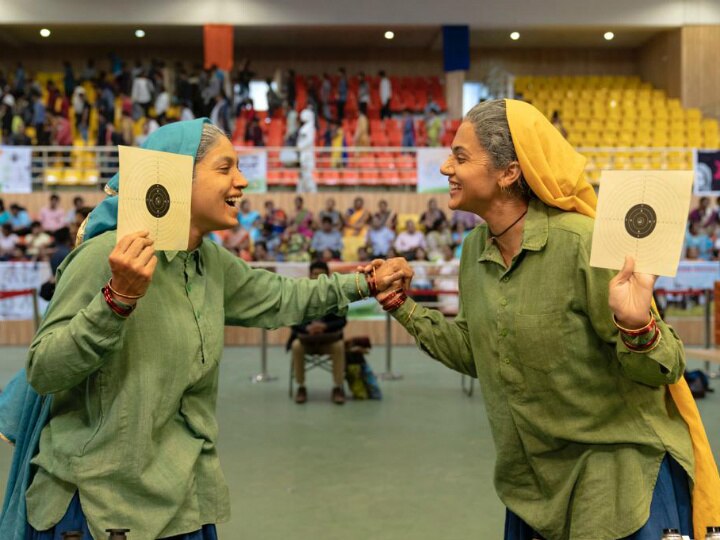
x=333, y=167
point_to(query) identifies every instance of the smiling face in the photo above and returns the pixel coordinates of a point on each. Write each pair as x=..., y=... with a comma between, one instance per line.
x=217, y=189
x=474, y=180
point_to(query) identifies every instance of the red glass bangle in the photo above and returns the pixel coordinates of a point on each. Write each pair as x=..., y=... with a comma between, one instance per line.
x=110, y=301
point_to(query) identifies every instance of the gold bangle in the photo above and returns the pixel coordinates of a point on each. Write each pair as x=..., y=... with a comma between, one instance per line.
x=121, y=295
x=637, y=331
x=357, y=284
x=411, y=313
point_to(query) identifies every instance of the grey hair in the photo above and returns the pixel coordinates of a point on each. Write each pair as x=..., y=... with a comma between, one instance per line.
x=489, y=120
x=210, y=136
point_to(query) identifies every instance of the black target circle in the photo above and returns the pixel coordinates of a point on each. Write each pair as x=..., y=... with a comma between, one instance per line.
x=640, y=221
x=157, y=200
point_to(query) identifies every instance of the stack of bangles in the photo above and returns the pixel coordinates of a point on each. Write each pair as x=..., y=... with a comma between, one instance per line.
x=391, y=302
x=122, y=309
x=641, y=340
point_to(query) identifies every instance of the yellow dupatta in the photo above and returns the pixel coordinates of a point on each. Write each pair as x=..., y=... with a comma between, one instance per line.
x=555, y=173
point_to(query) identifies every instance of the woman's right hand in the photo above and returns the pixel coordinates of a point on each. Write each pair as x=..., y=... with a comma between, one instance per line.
x=132, y=264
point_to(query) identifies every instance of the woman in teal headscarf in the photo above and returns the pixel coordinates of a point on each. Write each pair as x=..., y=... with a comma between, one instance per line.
x=129, y=350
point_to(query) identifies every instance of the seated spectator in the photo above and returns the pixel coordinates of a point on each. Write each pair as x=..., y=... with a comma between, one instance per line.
x=449, y=269
x=703, y=215
x=330, y=212
x=247, y=216
x=19, y=219
x=237, y=240
x=77, y=226
x=695, y=238
x=409, y=240
x=70, y=216
x=322, y=336
x=458, y=237
x=421, y=280
x=361, y=137
x=4, y=214
x=37, y=241
x=303, y=218
x=294, y=246
x=469, y=220
x=8, y=241
x=388, y=218
x=379, y=238
x=60, y=130
x=271, y=242
x=275, y=217
x=355, y=231
x=362, y=254
x=19, y=137
x=52, y=217
x=327, y=238
x=437, y=239
x=432, y=217
x=63, y=246
x=260, y=252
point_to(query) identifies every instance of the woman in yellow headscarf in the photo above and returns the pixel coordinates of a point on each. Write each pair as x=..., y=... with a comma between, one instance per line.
x=596, y=433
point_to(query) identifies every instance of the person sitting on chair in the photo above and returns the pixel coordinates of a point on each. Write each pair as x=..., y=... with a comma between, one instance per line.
x=323, y=336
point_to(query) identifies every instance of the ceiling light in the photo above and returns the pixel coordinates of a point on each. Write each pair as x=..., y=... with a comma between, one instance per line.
x=608, y=35
x=389, y=34
x=139, y=33
x=515, y=36
x=45, y=32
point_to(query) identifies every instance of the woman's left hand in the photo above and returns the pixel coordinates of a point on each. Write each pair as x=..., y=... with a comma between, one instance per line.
x=631, y=296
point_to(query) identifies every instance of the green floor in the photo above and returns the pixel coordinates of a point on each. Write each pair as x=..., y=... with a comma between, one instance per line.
x=417, y=465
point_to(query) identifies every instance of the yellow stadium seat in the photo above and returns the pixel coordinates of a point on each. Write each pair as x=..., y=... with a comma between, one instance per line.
x=53, y=176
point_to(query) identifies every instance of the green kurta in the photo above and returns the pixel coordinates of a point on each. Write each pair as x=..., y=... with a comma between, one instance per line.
x=580, y=423
x=133, y=424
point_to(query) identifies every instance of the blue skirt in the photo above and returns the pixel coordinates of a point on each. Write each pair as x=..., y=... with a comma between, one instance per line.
x=74, y=520
x=670, y=508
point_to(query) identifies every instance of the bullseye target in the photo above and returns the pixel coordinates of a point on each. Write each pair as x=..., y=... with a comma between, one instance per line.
x=642, y=214
x=155, y=192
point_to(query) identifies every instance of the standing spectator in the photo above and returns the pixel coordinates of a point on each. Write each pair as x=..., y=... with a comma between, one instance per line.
x=254, y=133
x=38, y=120
x=385, y=95
x=19, y=219
x=52, y=217
x=409, y=240
x=60, y=130
x=162, y=104
x=306, y=148
x=89, y=73
x=19, y=79
x=82, y=111
x=408, y=129
x=291, y=126
x=274, y=101
x=342, y=92
x=557, y=122
x=325, y=96
x=127, y=128
x=330, y=212
x=433, y=128
x=290, y=88
x=379, y=238
x=326, y=238
x=432, y=217
x=63, y=247
x=361, y=137
x=142, y=92
x=363, y=93
x=8, y=241
x=186, y=112
x=220, y=116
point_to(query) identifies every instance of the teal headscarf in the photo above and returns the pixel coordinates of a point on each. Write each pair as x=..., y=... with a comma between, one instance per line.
x=178, y=138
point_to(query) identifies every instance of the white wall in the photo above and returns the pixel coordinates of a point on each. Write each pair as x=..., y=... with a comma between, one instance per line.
x=476, y=13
